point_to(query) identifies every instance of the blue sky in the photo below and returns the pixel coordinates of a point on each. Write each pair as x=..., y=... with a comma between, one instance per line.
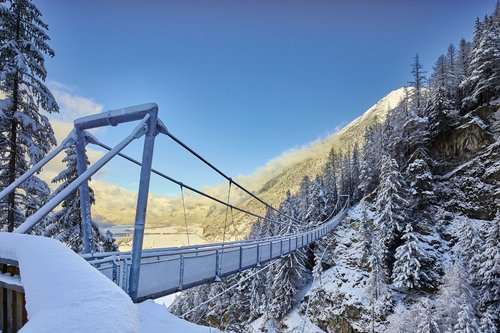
x=243, y=81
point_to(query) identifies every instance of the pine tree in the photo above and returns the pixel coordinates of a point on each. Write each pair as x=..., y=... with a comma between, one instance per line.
x=489, y=267
x=408, y=272
x=346, y=183
x=400, y=321
x=355, y=174
x=318, y=266
x=284, y=279
x=442, y=97
x=421, y=180
x=391, y=207
x=418, y=82
x=314, y=211
x=25, y=132
x=470, y=247
x=483, y=82
x=467, y=320
x=330, y=185
x=303, y=197
x=366, y=241
x=371, y=163
x=426, y=320
x=66, y=224
x=455, y=291
x=377, y=289
x=488, y=319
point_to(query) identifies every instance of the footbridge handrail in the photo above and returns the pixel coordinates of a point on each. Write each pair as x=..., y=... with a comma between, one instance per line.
x=169, y=270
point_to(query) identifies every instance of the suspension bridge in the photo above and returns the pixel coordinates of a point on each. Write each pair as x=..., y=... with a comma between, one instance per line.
x=151, y=273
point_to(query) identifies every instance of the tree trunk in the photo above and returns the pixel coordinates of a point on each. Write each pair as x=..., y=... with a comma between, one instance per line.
x=11, y=202
x=12, y=162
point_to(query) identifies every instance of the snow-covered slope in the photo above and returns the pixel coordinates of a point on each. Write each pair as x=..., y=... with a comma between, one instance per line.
x=308, y=161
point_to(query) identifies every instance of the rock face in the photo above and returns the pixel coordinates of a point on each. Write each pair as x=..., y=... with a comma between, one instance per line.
x=471, y=188
x=469, y=137
x=308, y=161
x=467, y=185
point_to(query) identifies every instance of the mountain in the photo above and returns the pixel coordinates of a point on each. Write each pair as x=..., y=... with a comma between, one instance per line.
x=309, y=161
x=269, y=185
x=419, y=249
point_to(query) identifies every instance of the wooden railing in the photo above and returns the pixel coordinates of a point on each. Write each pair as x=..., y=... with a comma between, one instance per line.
x=13, y=313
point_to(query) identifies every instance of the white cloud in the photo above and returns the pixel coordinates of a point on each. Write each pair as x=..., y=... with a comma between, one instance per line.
x=71, y=105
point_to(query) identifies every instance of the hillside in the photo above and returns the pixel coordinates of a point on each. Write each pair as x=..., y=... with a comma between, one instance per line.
x=309, y=161
x=312, y=164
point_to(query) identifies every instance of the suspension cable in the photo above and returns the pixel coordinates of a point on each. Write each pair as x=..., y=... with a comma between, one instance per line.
x=179, y=183
x=227, y=212
x=164, y=131
x=185, y=217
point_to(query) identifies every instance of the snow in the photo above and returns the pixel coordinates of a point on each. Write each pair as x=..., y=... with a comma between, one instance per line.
x=379, y=110
x=155, y=318
x=10, y=280
x=65, y=294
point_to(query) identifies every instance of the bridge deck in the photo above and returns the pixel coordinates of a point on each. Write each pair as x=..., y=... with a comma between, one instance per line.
x=165, y=271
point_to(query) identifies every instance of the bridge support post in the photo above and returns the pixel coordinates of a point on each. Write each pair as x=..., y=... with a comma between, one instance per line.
x=142, y=204
x=81, y=162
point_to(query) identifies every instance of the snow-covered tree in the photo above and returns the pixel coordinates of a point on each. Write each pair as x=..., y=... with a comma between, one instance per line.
x=418, y=82
x=466, y=321
x=483, y=82
x=421, y=180
x=455, y=291
x=489, y=321
x=489, y=267
x=370, y=164
x=66, y=223
x=426, y=317
x=355, y=175
x=284, y=279
x=391, y=207
x=303, y=197
x=470, y=246
x=366, y=235
x=442, y=98
x=408, y=272
x=25, y=133
x=377, y=290
x=329, y=180
x=315, y=209
x=400, y=321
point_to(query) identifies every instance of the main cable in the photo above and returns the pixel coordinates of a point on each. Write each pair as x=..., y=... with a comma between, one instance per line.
x=179, y=183
x=164, y=131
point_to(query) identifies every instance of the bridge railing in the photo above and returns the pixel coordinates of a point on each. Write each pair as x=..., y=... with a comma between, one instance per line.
x=165, y=271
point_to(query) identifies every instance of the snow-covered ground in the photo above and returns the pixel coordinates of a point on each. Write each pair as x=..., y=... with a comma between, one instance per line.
x=65, y=294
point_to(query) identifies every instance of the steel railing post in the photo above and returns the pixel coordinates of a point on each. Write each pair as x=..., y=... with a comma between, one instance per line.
x=241, y=257
x=181, y=273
